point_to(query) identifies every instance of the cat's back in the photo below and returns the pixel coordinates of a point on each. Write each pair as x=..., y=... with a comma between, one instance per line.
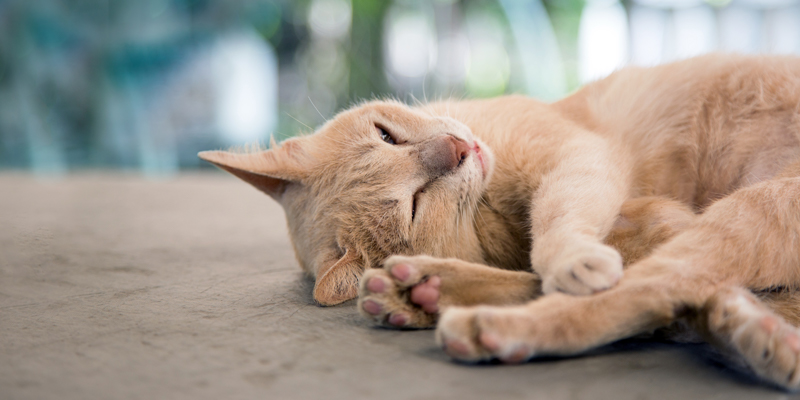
x=693, y=129
x=678, y=93
x=701, y=127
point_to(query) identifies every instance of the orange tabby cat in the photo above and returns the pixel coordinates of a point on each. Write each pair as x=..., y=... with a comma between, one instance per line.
x=687, y=173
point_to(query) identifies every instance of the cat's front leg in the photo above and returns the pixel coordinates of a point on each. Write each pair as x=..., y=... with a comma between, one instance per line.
x=573, y=209
x=411, y=292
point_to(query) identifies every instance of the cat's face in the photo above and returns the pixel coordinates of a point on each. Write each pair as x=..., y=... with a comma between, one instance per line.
x=379, y=179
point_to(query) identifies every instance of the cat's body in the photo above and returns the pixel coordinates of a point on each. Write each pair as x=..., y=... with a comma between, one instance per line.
x=692, y=132
x=628, y=161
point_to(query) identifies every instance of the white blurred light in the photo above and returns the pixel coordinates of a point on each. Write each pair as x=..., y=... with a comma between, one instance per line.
x=695, y=31
x=784, y=30
x=740, y=29
x=537, y=51
x=453, y=53
x=411, y=46
x=248, y=87
x=602, y=39
x=647, y=35
x=718, y=3
x=766, y=4
x=329, y=18
x=672, y=4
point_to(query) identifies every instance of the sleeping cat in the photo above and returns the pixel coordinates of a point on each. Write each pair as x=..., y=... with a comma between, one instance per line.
x=458, y=214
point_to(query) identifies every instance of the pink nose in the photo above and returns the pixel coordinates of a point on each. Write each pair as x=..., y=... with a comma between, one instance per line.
x=460, y=149
x=443, y=154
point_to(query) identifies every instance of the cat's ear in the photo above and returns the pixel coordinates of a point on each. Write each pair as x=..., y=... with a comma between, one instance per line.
x=340, y=282
x=270, y=171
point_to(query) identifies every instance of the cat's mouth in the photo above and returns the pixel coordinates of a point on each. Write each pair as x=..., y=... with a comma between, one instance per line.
x=476, y=148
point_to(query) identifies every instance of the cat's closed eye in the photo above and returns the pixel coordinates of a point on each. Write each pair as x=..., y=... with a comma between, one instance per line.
x=385, y=135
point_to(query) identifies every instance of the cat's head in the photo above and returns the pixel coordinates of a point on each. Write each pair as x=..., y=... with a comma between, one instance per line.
x=379, y=179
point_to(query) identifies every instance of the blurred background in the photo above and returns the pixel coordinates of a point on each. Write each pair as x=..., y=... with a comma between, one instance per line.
x=145, y=84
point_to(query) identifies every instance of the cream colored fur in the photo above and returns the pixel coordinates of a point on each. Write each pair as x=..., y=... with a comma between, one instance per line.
x=687, y=173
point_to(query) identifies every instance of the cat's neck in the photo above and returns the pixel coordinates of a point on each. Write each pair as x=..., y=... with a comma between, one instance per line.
x=504, y=240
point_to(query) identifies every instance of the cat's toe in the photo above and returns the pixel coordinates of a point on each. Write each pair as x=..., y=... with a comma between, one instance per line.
x=768, y=344
x=585, y=271
x=483, y=333
x=372, y=307
x=376, y=284
x=410, y=273
x=406, y=271
x=457, y=335
x=385, y=302
x=426, y=294
x=398, y=319
x=773, y=353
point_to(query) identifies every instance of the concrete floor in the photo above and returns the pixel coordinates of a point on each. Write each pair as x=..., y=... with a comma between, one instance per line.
x=114, y=287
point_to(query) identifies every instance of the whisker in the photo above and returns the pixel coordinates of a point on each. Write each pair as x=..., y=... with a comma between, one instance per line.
x=416, y=100
x=315, y=107
x=424, y=96
x=298, y=121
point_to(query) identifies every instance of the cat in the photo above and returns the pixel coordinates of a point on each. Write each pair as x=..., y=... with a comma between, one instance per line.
x=506, y=223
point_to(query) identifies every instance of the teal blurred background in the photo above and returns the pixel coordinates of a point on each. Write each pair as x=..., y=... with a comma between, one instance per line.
x=145, y=84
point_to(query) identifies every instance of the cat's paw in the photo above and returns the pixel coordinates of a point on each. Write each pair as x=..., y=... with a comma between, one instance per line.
x=768, y=344
x=483, y=333
x=402, y=294
x=585, y=268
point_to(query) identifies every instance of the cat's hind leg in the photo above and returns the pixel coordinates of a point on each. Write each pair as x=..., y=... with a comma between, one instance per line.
x=644, y=223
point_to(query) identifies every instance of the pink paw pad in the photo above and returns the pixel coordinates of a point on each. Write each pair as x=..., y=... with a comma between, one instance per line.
x=426, y=294
x=376, y=285
x=490, y=341
x=401, y=271
x=398, y=319
x=518, y=356
x=455, y=348
x=372, y=307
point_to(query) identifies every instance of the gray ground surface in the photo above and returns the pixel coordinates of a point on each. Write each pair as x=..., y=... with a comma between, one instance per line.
x=114, y=287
